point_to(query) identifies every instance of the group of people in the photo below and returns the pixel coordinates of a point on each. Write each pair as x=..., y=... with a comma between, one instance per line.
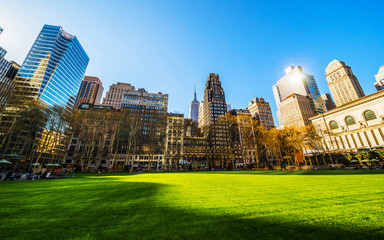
x=30, y=175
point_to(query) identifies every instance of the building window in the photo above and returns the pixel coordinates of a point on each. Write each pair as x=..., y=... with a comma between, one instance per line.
x=333, y=125
x=374, y=137
x=349, y=144
x=381, y=134
x=361, y=140
x=369, y=115
x=366, y=137
x=349, y=120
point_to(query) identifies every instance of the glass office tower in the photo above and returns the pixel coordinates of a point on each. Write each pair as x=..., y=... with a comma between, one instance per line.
x=298, y=82
x=54, y=68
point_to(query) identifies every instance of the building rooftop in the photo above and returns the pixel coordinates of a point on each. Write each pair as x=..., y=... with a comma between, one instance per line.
x=381, y=69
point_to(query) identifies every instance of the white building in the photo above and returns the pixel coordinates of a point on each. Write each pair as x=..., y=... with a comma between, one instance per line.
x=358, y=124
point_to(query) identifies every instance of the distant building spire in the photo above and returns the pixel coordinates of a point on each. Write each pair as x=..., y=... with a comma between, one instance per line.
x=194, y=108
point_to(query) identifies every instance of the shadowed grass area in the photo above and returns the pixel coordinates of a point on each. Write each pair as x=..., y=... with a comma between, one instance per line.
x=220, y=205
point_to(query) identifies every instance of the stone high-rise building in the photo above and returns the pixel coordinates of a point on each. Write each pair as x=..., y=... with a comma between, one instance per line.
x=114, y=97
x=174, y=139
x=8, y=71
x=297, y=82
x=329, y=104
x=261, y=110
x=90, y=91
x=215, y=130
x=343, y=83
x=296, y=110
x=194, y=109
x=200, y=119
x=379, y=84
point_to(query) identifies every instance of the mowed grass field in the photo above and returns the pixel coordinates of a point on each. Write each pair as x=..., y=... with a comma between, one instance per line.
x=219, y=205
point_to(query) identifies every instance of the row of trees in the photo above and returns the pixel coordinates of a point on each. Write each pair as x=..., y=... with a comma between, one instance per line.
x=287, y=146
x=36, y=133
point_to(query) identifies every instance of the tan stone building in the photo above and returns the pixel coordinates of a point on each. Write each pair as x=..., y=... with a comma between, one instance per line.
x=174, y=139
x=343, y=83
x=114, y=97
x=296, y=110
x=358, y=124
x=261, y=110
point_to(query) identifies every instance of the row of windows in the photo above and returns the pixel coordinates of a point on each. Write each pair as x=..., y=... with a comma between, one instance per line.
x=349, y=120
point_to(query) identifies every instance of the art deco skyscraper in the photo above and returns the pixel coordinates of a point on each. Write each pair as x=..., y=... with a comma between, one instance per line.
x=343, y=83
x=214, y=107
x=194, y=109
x=90, y=91
x=53, y=69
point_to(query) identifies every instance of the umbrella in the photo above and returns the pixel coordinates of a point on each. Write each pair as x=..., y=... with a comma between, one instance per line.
x=5, y=161
x=49, y=164
x=364, y=160
x=374, y=160
x=35, y=164
x=355, y=161
x=56, y=164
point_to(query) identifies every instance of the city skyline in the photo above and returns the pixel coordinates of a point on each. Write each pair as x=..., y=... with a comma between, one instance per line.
x=250, y=59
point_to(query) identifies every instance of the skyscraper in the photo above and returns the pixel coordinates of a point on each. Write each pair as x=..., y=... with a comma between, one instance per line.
x=90, y=91
x=343, y=83
x=379, y=84
x=329, y=104
x=296, y=110
x=194, y=109
x=215, y=107
x=297, y=82
x=261, y=110
x=115, y=94
x=53, y=69
x=8, y=71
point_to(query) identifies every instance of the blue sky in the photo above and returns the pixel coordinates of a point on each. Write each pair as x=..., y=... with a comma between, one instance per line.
x=170, y=46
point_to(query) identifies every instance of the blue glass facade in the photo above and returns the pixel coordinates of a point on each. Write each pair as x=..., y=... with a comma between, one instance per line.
x=54, y=68
x=314, y=92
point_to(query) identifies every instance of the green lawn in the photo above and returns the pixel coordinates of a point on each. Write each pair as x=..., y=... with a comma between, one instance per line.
x=227, y=205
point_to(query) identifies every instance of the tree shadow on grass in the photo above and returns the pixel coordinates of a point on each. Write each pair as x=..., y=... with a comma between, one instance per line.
x=135, y=210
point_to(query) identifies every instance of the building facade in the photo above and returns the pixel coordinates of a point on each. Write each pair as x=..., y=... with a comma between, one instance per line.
x=379, y=84
x=358, y=124
x=194, y=109
x=148, y=111
x=261, y=110
x=296, y=110
x=8, y=71
x=53, y=69
x=115, y=94
x=296, y=81
x=328, y=102
x=215, y=129
x=174, y=139
x=90, y=91
x=200, y=118
x=342, y=83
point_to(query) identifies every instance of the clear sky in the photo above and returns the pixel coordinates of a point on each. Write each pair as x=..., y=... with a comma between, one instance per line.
x=170, y=46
